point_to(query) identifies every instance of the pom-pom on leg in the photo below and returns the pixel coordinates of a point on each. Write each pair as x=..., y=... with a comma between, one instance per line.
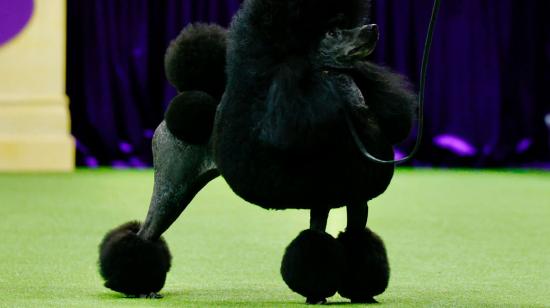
x=132, y=265
x=366, y=271
x=310, y=265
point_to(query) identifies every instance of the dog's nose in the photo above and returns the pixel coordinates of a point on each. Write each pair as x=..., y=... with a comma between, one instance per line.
x=370, y=32
x=372, y=27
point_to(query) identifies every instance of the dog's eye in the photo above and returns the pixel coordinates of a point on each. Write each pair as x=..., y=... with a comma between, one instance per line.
x=331, y=33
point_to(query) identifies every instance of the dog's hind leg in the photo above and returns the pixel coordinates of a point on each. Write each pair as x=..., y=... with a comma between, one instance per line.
x=134, y=258
x=181, y=171
x=310, y=265
x=365, y=272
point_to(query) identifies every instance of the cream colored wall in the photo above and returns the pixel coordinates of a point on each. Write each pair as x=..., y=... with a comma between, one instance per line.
x=34, y=115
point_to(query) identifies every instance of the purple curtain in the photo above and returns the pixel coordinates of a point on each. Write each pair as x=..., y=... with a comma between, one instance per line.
x=486, y=100
x=486, y=105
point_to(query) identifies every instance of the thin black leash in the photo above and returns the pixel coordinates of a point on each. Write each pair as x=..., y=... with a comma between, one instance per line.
x=421, y=95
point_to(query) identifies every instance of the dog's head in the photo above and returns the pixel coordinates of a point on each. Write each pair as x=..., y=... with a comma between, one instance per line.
x=341, y=49
x=295, y=27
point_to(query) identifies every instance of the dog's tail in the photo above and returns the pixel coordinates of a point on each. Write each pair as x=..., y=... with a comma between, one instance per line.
x=195, y=60
x=195, y=65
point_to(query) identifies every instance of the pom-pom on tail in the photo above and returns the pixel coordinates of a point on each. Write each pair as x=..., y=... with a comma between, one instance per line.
x=132, y=265
x=195, y=60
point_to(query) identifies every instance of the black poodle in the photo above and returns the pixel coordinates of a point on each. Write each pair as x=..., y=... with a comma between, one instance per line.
x=274, y=126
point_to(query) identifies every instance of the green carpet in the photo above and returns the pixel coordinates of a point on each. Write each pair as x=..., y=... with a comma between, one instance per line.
x=454, y=238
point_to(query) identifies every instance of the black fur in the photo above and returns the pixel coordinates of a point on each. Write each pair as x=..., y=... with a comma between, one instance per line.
x=365, y=272
x=195, y=60
x=294, y=27
x=390, y=97
x=310, y=265
x=190, y=117
x=280, y=139
x=132, y=265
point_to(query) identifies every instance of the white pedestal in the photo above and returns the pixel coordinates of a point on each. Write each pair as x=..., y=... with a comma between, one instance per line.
x=34, y=114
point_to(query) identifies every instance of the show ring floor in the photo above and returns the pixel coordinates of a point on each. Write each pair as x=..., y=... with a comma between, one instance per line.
x=454, y=238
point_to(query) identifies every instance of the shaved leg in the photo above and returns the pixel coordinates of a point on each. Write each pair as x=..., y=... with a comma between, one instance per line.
x=358, y=214
x=366, y=271
x=181, y=171
x=311, y=263
x=318, y=219
x=318, y=222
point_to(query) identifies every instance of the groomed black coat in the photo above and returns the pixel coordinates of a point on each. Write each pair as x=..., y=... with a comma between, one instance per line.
x=280, y=138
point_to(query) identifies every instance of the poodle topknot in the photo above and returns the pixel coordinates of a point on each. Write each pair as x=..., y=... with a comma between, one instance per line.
x=292, y=25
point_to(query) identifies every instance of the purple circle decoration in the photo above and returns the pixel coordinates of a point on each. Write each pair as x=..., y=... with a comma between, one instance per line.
x=14, y=16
